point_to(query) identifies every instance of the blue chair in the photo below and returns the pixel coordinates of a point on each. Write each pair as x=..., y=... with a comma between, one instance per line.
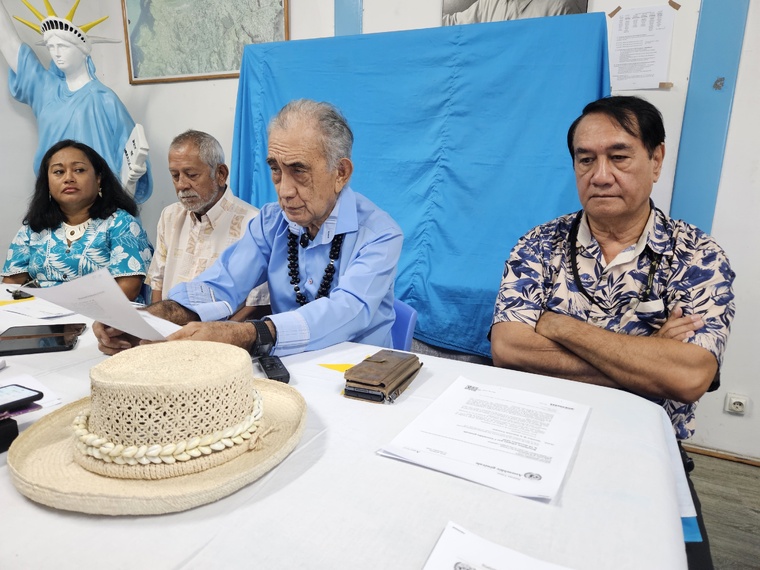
x=146, y=292
x=403, y=329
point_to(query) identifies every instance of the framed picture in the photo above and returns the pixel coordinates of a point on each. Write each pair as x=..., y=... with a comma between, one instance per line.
x=477, y=11
x=183, y=41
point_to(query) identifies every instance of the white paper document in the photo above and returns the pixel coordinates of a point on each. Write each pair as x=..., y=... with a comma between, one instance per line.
x=515, y=441
x=37, y=309
x=459, y=548
x=99, y=297
x=640, y=47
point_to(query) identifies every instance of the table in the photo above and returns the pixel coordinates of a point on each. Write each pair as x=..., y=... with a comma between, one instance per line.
x=334, y=503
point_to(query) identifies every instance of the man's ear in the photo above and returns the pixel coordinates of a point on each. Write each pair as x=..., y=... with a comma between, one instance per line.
x=658, y=156
x=345, y=170
x=221, y=174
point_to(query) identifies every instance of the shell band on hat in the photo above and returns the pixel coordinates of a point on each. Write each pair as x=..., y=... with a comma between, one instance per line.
x=53, y=25
x=168, y=409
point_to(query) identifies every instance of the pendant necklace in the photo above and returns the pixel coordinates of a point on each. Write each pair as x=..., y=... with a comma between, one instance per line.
x=73, y=233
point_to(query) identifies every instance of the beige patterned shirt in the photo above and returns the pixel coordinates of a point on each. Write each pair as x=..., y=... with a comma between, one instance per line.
x=187, y=246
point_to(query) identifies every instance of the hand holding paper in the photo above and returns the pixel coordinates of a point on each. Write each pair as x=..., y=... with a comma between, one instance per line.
x=99, y=297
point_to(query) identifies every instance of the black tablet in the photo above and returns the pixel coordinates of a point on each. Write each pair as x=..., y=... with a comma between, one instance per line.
x=32, y=339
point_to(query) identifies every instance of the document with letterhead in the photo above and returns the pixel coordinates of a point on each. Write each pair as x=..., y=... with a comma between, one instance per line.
x=512, y=440
x=458, y=548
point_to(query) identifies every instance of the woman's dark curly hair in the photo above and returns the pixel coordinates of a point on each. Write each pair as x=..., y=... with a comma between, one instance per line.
x=44, y=213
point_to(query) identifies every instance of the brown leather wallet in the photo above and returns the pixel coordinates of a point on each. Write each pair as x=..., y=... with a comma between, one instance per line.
x=382, y=376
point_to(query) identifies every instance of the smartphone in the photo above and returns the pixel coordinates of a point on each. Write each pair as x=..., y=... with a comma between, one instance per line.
x=14, y=396
x=32, y=339
x=43, y=330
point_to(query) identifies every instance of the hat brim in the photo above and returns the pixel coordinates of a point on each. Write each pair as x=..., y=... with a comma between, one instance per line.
x=43, y=469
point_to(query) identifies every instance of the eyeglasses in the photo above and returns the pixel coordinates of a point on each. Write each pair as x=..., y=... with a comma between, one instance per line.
x=18, y=294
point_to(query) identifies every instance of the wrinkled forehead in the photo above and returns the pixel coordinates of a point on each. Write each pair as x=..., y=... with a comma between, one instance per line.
x=300, y=136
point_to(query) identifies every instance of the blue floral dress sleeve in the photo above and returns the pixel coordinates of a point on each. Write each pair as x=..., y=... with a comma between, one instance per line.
x=19, y=252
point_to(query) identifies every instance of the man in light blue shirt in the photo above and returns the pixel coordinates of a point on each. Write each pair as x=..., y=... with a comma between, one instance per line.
x=327, y=252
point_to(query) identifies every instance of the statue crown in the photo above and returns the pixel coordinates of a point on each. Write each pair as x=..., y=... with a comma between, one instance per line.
x=65, y=26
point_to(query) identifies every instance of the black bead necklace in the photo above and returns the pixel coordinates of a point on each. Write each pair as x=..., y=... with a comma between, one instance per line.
x=324, y=287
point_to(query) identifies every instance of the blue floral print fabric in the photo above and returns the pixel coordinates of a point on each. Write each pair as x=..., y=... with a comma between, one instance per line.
x=118, y=243
x=692, y=272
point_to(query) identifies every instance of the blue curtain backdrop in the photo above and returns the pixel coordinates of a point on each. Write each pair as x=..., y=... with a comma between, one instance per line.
x=460, y=136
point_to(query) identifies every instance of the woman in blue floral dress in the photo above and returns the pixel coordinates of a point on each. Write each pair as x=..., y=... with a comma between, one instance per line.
x=80, y=219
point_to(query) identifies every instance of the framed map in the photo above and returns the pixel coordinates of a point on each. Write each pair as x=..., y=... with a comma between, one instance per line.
x=185, y=40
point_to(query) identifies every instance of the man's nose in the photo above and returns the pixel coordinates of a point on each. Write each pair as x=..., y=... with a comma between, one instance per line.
x=287, y=187
x=602, y=173
x=182, y=182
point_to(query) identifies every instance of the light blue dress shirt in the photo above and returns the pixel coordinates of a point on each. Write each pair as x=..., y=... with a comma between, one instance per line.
x=359, y=307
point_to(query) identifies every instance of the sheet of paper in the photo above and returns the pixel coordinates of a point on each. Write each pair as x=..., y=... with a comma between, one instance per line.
x=640, y=47
x=37, y=308
x=49, y=398
x=515, y=441
x=98, y=296
x=459, y=548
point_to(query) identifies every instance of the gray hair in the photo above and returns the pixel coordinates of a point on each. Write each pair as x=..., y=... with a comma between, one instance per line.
x=336, y=136
x=209, y=149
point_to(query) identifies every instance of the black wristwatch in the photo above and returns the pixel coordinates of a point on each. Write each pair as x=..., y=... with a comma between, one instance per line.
x=264, y=342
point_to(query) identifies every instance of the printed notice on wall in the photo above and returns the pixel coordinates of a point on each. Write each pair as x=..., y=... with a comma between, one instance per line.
x=515, y=441
x=640, y=47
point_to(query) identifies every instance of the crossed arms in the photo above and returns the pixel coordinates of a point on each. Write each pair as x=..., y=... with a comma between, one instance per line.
x=662, y=365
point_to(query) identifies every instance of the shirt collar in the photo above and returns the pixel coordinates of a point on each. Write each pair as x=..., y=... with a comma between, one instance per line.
x=652, y=236
x=215, y=212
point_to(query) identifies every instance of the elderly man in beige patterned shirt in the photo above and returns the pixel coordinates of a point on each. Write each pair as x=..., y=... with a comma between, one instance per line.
x=193, y=232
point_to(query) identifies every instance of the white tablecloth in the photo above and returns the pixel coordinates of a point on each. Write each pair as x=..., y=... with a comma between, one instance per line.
x=334, y=503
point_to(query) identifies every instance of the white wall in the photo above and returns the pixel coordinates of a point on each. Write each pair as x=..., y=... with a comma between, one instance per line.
x=735, y=226
x=167, y=109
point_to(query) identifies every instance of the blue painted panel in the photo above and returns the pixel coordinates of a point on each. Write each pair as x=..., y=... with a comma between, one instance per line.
x=460, y=136
x=348, y=17
x=714, y=69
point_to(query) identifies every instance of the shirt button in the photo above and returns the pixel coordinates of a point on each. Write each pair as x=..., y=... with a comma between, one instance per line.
x=65, y=276
x=594, y=319
x=311, y=281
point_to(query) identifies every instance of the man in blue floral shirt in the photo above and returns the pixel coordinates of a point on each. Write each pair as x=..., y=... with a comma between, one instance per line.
x=618, y=294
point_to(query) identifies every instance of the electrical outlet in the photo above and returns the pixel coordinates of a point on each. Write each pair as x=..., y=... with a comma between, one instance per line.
x=736, y=404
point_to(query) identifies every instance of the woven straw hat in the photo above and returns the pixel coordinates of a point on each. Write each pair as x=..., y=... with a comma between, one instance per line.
x=168, y=427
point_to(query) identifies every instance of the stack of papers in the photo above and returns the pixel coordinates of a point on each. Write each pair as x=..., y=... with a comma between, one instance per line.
x=515, y=441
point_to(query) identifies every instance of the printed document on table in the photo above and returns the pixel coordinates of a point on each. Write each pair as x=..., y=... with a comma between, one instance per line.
x=459, y=548
x=98, y=296
x=515, y=441
x=37, y=309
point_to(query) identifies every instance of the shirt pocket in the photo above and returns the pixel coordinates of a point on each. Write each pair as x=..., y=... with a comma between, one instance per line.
x=644, y=317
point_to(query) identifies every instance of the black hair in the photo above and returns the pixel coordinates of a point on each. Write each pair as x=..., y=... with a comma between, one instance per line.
x=44, y=213
x=638, y=117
